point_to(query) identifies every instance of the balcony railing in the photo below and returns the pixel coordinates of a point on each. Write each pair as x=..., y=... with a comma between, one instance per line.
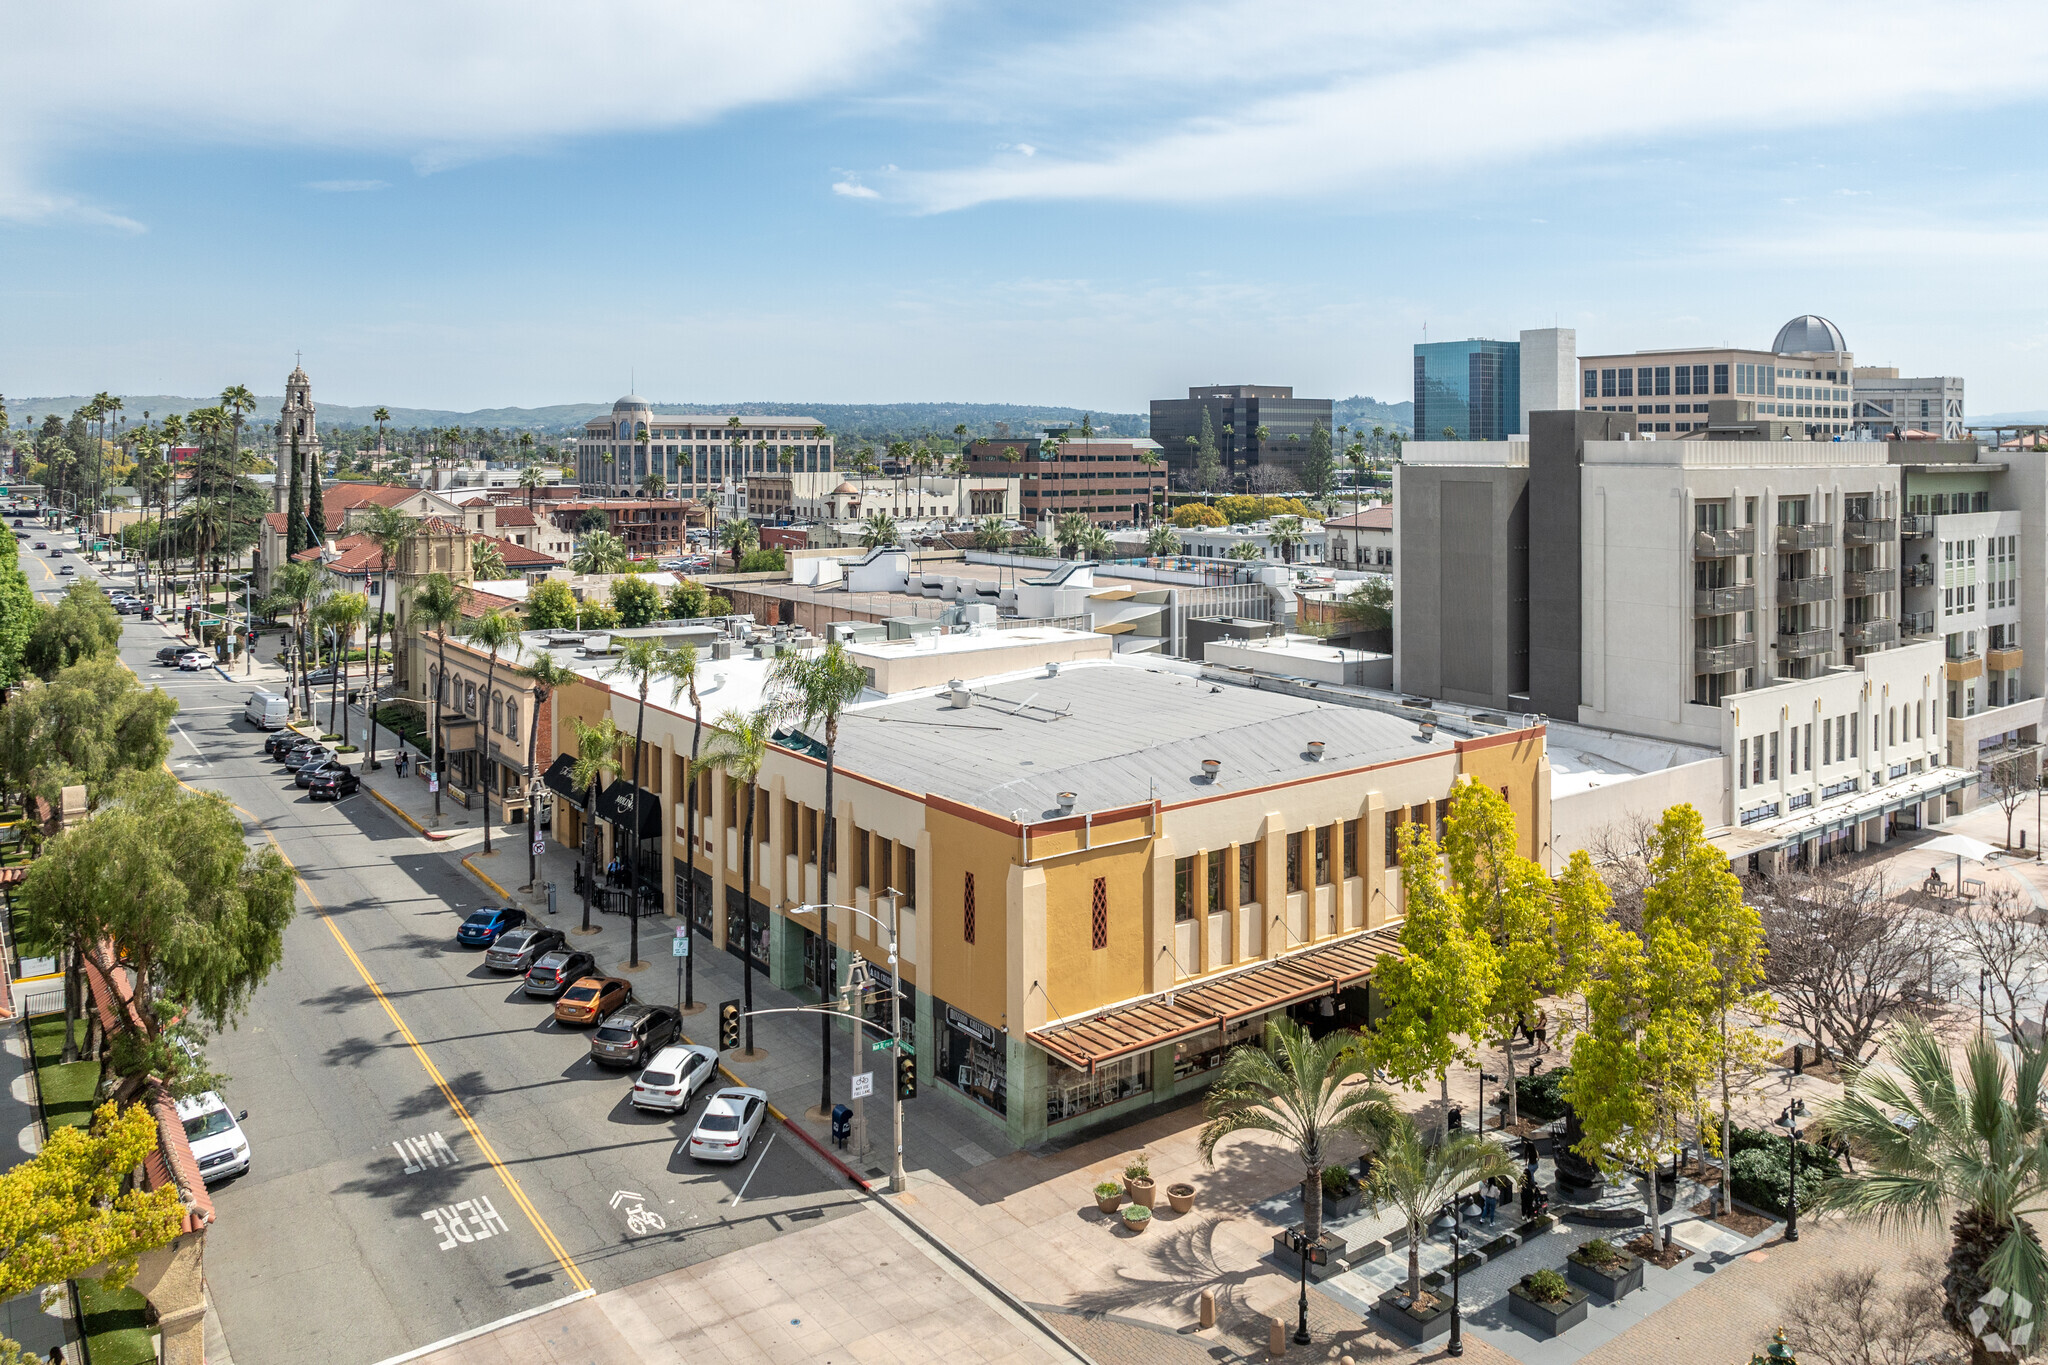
x=1870, y=634
x=1817, y=587
x=1723, y=658
x=1721, y=544
x=1914, y=525
x=1721, y=601
x=1869, y=582
x=1808, y=536
x=1804, y=644
x=1922, y=575
x=1917, y=623
x=2003, y=660
x=1875, y=531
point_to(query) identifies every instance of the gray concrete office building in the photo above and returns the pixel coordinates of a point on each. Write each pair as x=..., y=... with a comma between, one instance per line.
x=1236, y=413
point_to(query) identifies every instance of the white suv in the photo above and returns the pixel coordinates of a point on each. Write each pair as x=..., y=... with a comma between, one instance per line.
x=218, y=1143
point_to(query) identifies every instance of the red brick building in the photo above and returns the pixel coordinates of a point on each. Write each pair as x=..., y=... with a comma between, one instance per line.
x=1106, y=479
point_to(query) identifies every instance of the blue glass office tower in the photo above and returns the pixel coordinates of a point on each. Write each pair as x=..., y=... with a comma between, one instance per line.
x=1472, y=387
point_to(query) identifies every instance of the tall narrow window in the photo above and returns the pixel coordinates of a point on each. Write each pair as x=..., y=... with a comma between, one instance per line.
x=862, y=864
x=1099, y=913
x=967, y=909
x=907, y=870
x=1215, y=861
x=1183, y=890
x=1294, y=861
x=1247, y=873
x=1323, y=855
x=1742, y=763
x=1351, y=848
x=1774, y=755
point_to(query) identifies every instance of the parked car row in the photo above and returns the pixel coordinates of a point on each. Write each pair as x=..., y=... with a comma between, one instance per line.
x=627, y=1033
x=315, y=768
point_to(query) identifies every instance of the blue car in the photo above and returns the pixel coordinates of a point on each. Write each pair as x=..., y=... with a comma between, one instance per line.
x=482, y=928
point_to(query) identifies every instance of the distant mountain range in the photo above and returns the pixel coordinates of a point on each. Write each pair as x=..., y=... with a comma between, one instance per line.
x=2035, y=418
x=863, y=421
x=854, y=421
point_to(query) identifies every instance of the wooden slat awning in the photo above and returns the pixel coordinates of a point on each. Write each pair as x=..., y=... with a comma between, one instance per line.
x=1155, y=1020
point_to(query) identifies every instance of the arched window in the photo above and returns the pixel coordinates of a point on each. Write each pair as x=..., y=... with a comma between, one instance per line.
x=512, y=717
x=498, y=713
x=469, y=699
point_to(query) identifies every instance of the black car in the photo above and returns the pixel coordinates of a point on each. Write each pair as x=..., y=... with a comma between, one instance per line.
x=307, y=773
x=519, y=949
x=294, y=742
x=333, y=783
x=305, y=754
x=633, y=1033
x=282, y=742
x=558, y=971
x=170, y=654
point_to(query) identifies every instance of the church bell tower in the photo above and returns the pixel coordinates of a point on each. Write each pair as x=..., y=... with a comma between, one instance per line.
x=296, y=420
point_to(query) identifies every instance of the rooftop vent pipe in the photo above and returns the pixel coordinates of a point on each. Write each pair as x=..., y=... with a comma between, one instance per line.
x=1066, y=800
x=1212, y=766
x=1315, y=751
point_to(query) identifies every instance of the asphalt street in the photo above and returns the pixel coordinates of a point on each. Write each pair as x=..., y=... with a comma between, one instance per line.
x=431, y=1152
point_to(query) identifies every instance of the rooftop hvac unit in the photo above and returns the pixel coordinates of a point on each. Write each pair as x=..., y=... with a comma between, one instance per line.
x=721, y=650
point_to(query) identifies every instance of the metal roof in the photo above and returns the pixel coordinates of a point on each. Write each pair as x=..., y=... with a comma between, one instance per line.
x=1115, y=735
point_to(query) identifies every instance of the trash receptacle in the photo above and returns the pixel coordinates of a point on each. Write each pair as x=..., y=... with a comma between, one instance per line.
x=551, y=898
x=842, y=1125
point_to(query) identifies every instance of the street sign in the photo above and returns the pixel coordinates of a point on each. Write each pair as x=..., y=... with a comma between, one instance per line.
x=891, y=1044
x=538, y=848
x=863, y=1084
x=682, y=944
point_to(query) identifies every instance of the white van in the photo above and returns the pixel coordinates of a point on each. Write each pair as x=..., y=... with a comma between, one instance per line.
x=266, y=710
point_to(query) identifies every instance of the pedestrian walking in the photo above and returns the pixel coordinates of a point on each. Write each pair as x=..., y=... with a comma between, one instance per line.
x=1489, y=1201
x=404, y=763
x=1542, y=1031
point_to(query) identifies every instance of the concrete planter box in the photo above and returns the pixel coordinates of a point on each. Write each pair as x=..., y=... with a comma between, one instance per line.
x=1407, y=1323
x=1344, y=1207
x=1549, y=1319
x=1290, y=1260
x=1612, y=1282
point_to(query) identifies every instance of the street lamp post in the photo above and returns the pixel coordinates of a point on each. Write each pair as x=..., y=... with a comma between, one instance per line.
x=1310, y=1252
x=1484, y=1077
x=1452, y=1221
x=897, y=1181
x=1983, y=984
x=1789, y=1121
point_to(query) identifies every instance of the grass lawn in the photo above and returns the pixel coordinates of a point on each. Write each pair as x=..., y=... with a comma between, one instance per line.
x=112, y=1323
x=67, y=1090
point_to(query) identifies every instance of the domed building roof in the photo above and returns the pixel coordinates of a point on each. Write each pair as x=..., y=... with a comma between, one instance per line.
x=632, y=402
x=1808, y=332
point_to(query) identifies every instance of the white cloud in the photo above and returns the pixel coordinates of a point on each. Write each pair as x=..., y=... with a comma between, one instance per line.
x=1447, y=93
x=853, y=189
x=435, y=83
x=347, y=186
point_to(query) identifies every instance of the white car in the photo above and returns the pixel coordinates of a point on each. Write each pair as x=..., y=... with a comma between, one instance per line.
x=727, y=1126
x=218, y=1143
x=672, y=1077
x=192, y=660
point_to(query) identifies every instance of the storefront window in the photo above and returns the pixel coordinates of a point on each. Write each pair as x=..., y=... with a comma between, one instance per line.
x=1207, y=1049
x=874, y=1005
x=736, y=928
x=811, y=976
x=972, y=1059
x=1069, y=1092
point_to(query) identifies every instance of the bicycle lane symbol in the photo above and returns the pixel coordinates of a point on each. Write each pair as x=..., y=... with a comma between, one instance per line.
x=639, y=1221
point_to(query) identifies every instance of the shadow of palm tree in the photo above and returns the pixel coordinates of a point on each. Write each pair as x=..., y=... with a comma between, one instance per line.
x=1179, y=1266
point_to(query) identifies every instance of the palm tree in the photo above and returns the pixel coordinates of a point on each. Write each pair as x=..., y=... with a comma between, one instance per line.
x=600, y=552
x=990, y=534
x=1036, y=546
x=879, y=530
x=597, y=748
x=1096, y=544
x=293, y=589
x=1069, y=531
x=640, y=440
x=389, y=529
x=381, y=416
x=1966, y=1143
x=739, y=747
x=653, y=484
x=643, y=660
x=342, y=613
x=547, y=678
x=736, y=536
x=683, y=670
x=1244, y=549
x=822, y=686
x=1296, y=1088
x=532, y=478
x=1162, y=540
x=486, y=561
x=1286, y=533
x=436, y=606
x=491, y=632
x=1419, y=1179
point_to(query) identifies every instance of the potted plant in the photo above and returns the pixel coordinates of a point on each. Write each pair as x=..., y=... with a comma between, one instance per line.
x=1138, y=1217
x=1340, y=1192
x=1181, y=1196
x=1548, y=1302
x=1605, y=1268
x=1108, y=1196
x=1138, y=1181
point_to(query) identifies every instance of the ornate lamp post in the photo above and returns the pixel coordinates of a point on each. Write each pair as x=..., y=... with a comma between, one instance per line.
x=1789, y=1121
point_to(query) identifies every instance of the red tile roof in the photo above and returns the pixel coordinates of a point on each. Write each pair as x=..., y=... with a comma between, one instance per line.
x=477, y=602
x=275, y=521
x=517, y=556
x=516, y=516
x=343, y=496
x=1371, y=519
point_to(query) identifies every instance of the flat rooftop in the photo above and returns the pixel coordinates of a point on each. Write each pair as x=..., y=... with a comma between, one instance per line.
x=1115, y=734
x=1582, y=758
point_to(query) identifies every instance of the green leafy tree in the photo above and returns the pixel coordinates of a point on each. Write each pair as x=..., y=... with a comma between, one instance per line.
x=436, y=608
x=341, y=615
x=599, y=749
x=83, y=625
x=738, y=748
x=1193, y=514
x=91, y=725
x=550, y=606
x=294, y=591
x=1967, y=1143
x=72, y=1207
x=879, y=530
x=600, y=552
x=389, y=529
x=1244, y=550
x=637, y=601
x=1069, y=531
x=990, y=534
x=1691, y=885
x=1208, y=459
x=644, y=662
x=162, y=879
x=546, y=678
x=1162, y=541
x=1419, y=1178
x=736, y=537
x=1436, y=991
x=1370, y=605
x=492, y=632
x=316, y=511
x=1300, y=1089
x=1319, y=467
x=487, y=561
x=763, y=561
x=688, y=600
x=298, y=536
x=19, y=613
x=821, y=687
x=1286, y=536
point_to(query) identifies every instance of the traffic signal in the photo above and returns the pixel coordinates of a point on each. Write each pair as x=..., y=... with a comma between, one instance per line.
x=729, y=1026
x=906, y=1078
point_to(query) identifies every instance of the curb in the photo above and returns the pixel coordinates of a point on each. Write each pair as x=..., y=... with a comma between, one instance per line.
x=418, y=828
x=502, y=893
x=778, y=1115
x=975, y=1273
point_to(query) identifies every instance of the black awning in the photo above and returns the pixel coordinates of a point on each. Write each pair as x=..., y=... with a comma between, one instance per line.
x=616, y=805
x=557, y=779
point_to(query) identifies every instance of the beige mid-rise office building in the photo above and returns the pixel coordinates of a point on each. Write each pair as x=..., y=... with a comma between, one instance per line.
x=1807, y=376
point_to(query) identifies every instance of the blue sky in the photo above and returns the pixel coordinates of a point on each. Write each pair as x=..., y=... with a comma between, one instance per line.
x=463, y=205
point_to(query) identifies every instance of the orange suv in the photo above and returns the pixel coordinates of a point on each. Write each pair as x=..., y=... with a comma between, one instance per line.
x=590, y=1000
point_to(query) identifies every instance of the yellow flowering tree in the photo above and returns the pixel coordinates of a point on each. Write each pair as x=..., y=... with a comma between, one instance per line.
x=65, y=1212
